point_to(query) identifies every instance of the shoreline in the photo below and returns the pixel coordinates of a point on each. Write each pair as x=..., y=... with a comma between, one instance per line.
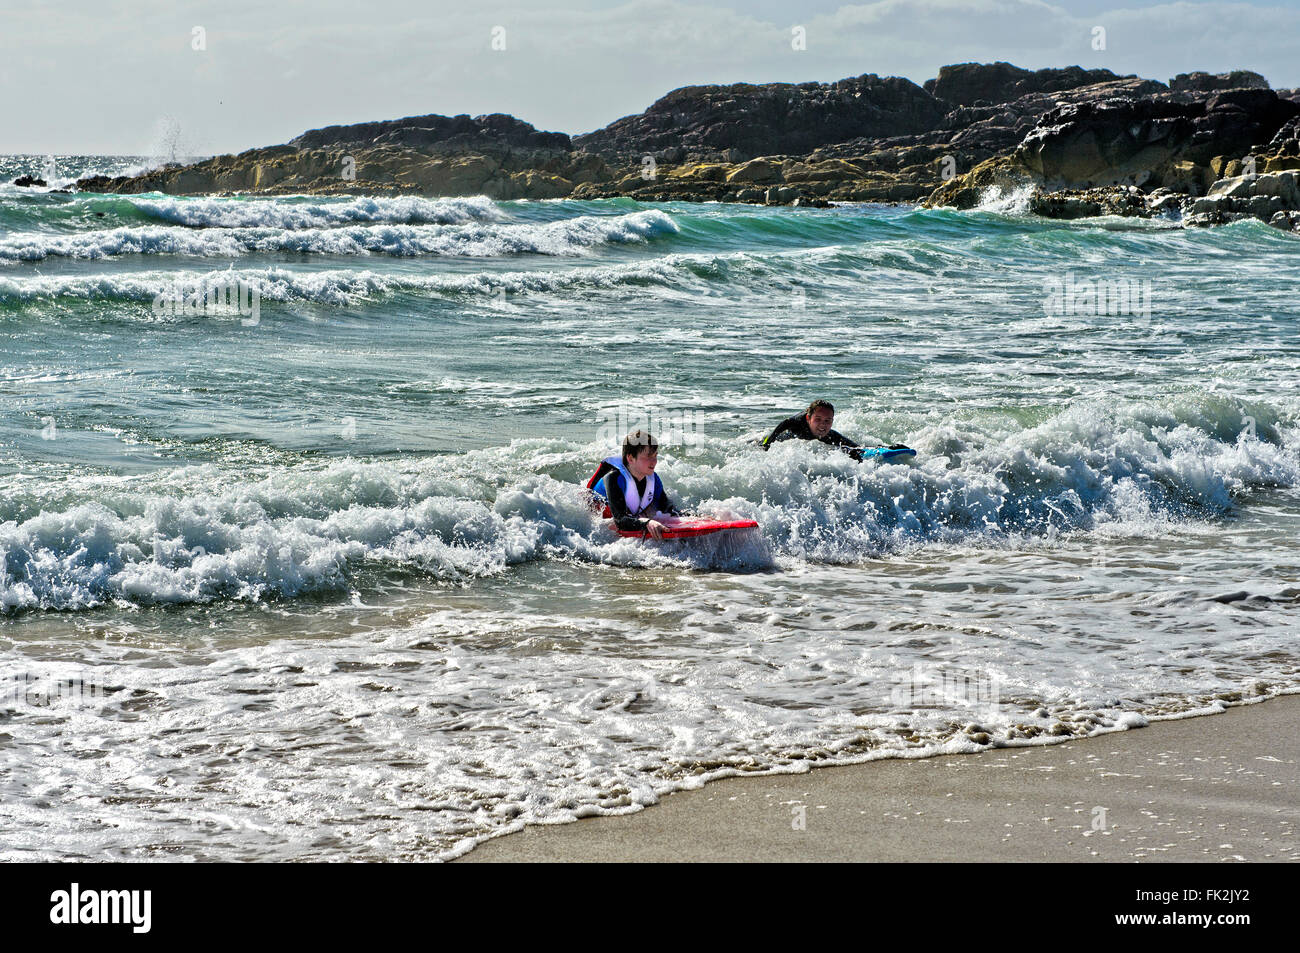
x=1209, y=788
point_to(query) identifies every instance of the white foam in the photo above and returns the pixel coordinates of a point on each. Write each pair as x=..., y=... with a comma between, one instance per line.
x=1014, y=201
x=296, y=215
x=208, y=532
x=670, y=275
x=566, y=237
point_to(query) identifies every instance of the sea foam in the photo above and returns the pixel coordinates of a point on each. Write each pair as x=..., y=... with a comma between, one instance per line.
x=208, y=532
x=473, y=239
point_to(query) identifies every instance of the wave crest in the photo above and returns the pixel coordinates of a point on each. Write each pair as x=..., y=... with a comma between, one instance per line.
x=206, y=532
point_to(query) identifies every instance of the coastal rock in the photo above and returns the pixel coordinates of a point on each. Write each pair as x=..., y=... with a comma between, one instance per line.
x=533, y=184
x=1135, y=141
x=431, y=155
x=438, y=134
x=910, y=167
x=744, y=121
x=1064, y=205
x=966, y=84
x=702, y=172
x=27, y=182
x=756, y=170
x=1066, y=142
x=461, y=175
x=1084, y=144
x=1129, y=201
x=826, y=170
x=1282, y=185
x=999, y=175
x=781, y=195
x=1286, y=141
x=1165, y=202
x=1272, y=198
x=1199, y=82
x=583, y=167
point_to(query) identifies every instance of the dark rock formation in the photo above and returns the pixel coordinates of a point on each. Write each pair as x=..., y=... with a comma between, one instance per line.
x=1235, y=148
x=498, y=156
x=968, y=84
x=27, y=181
x=972, y=134
x=739, y=122
x=1212, y=83
x=1138, y=141
x=439, y=135
x=1286, y=141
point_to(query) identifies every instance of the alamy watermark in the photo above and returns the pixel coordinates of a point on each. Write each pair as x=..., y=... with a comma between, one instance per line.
x=77, y=905
x=927, y=686
x=31, y=690
x=670, y=426
x=1097, y=296
x=216, y=297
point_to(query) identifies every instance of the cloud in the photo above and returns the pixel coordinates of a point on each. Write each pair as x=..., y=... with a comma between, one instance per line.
x=98, y=77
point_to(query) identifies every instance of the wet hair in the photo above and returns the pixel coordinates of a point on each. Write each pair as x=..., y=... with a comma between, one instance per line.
x=817, y=405
x=637, y=441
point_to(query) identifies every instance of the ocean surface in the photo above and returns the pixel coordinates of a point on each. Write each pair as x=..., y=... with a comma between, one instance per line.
x=307, y=572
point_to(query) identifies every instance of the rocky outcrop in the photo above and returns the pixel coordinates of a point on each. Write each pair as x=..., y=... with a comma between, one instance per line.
x=27, y=182
x=1212, y=83
x=1075, y=142
x=969, y=135
x=440, y=134
x=498, y=156
x=739, y=122
x=1272, y=198
x=1139, y=141
x=865, y=169
x=1286, y=141
x=968, y=84
x=1147, y=156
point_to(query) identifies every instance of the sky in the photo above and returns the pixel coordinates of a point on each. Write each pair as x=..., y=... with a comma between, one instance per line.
x=212, y=76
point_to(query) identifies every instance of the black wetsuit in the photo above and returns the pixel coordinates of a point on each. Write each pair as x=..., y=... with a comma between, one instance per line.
x=623, y=517
x=796, y=428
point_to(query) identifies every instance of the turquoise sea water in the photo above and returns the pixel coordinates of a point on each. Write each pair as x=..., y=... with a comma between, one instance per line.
x=323, y=578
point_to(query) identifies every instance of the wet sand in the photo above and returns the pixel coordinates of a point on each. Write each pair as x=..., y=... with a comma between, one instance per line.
x=1223, y=787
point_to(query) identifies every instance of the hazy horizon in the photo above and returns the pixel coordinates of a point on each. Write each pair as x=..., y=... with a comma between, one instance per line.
x=207, y=78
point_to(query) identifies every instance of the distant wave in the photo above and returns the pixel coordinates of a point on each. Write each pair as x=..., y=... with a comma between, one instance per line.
x=470, y=240
x=679, y=273
x=292, y=215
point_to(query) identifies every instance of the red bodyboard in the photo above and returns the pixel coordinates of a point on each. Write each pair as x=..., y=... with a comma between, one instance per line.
x=685, y=527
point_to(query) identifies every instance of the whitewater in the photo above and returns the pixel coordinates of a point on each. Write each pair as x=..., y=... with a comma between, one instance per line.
x=324, y=585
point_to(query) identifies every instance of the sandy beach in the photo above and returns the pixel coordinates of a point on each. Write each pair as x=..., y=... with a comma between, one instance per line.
x=1219, y=788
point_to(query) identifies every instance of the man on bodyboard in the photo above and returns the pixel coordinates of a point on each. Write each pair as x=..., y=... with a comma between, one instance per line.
x=815, y=424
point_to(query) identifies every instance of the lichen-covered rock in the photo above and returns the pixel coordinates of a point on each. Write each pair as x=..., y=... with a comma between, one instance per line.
x=756, y=170
x=1271, y=198
x=702, y=171
x=1003, y=173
